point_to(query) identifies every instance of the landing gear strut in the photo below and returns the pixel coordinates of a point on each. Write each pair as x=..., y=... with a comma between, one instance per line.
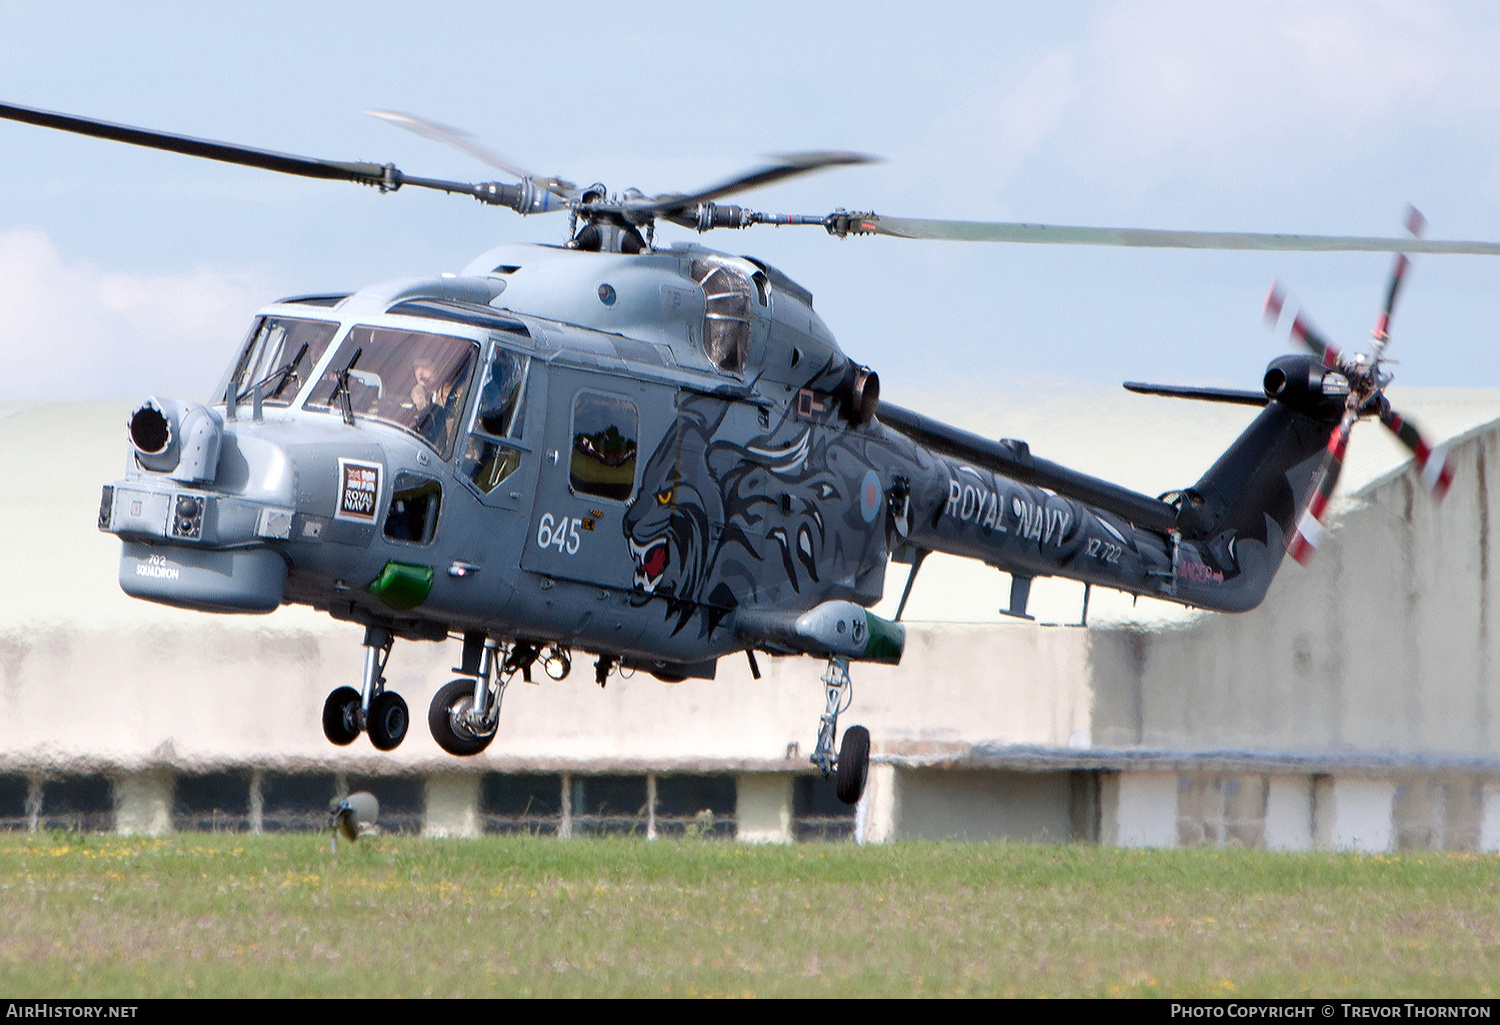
x=465, y=713
x=851, y=766
x=373, y=709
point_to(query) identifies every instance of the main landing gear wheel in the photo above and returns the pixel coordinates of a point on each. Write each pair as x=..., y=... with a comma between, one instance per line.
x=341, y=716
x=388, y=721
x=445, y=720
x=854, y=764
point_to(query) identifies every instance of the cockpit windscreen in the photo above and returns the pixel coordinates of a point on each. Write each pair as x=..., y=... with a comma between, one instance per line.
x=278, y=356
x=411, y=379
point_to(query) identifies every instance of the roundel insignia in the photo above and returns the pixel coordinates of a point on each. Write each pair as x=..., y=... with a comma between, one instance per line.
x=869, y=497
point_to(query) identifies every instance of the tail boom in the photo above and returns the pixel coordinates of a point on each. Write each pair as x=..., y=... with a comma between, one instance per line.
x=1219, y=550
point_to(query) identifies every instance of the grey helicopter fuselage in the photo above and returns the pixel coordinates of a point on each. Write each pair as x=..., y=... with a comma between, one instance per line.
x=661, y=458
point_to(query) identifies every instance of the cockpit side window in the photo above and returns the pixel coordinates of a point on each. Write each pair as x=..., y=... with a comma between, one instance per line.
x=411, y=379
x=726, y=324
x=500, y=394
x=278, y=356
x=488, y=458
x=415, y=504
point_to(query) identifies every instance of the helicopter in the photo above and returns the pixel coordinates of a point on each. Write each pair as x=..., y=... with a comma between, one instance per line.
x=659, y=456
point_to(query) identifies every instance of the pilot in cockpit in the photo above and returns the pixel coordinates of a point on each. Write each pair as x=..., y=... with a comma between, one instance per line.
x=433, y=398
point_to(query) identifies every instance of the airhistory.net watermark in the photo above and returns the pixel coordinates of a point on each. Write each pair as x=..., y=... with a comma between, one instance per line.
x=53, y=1009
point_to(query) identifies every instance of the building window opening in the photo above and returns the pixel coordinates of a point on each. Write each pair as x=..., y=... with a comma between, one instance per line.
x=215, y=802
x=702, y=807
x=82, y=804
x=609, y=805
x=403, y=800
x=14, y=790
x=296, y=801
x=521, y=802
x=817, y=812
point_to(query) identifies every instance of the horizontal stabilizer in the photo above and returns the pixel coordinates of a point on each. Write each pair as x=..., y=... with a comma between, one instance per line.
x=1182, y=391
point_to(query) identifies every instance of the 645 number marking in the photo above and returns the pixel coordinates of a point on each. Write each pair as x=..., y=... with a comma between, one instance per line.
x=560, y=533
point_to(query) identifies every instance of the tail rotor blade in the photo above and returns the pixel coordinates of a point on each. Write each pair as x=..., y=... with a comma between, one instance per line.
x=1308, y=533
x=1302, y=331
x=1315, y=343
x=1382, y=330
x=1271, y=308
x=1416, y=224
x=1435, y=467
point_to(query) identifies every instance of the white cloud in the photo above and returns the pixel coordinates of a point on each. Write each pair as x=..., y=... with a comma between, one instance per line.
x=1198, y=95
x=72, y=330
x=1175, y=89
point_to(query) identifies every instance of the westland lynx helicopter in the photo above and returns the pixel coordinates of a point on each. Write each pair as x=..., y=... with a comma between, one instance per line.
x=659, y=456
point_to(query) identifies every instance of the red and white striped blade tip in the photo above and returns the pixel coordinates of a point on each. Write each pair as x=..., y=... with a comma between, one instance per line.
x=1437, y=474
x=1275, y=300
x=1415, y=222
x=1305, y=539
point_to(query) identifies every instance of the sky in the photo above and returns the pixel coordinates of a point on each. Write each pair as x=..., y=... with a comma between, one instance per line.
x=126, y=272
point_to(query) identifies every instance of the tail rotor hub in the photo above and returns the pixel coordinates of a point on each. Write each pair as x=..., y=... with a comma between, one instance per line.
x=1362, y=375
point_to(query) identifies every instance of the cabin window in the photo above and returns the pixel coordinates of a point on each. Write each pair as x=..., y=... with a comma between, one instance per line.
x=413, y=515
x=411, y=379
x=726, y=322
x=488, y=459
x=278, y=356
x=604, y=446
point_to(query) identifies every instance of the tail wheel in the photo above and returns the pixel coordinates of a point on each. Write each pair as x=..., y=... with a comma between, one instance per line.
x=341, y=716
x=388, y=721
x=445, y=720
x=854, y=764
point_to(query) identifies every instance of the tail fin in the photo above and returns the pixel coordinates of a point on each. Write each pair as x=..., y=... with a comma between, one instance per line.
x=1241, y=514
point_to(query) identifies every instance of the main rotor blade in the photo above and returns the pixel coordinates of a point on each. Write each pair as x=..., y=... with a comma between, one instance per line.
x=286, y=163
x=386, y=177
x=787, y=166
x=1152, y=238
x=466, y=142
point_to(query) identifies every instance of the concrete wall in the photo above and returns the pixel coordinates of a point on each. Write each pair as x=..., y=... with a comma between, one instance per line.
x=1389, y=643
x=251, y=691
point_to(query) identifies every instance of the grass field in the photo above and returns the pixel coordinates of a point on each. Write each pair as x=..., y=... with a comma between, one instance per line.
x=230, y=915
